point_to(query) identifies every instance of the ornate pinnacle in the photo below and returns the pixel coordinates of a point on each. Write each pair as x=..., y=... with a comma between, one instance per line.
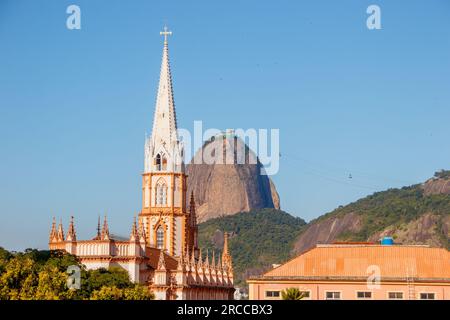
x=213, y=260
x=60, y=231
x=192, y=210
x=181, y=264
x=207, y=259
x=105, y=230
x=200, y=259
x=142, y=235
x=161, y=261
x=99, y=235
x=193, y=257
x=226, y=257
x=71, y=235
x=134, y=232
x=53, y=234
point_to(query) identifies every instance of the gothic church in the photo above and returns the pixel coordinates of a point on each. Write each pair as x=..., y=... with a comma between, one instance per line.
x=162, y=250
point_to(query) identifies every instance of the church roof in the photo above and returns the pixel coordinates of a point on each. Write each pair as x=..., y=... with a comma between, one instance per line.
x=354, y=261
x=153, y=255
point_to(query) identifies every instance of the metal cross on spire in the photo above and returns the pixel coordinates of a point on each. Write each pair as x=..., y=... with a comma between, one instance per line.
x=165, y=33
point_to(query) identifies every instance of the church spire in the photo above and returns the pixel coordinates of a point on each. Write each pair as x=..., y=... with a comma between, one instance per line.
x=165, y=122
x=163, y=150
x=71, y=234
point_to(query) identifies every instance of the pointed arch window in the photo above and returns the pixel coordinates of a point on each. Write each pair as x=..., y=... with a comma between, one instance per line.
x=160, y=162
x=160, y=237
x=161, y=193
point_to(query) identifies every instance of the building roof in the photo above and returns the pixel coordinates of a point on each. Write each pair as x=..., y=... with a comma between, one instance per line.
x=353, y=261
x=153, y=258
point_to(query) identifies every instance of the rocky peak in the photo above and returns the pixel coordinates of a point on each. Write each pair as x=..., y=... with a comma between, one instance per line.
x=439, y=184
x=230, y=181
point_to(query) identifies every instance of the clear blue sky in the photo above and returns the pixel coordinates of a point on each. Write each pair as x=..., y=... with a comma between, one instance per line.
x=74, y=105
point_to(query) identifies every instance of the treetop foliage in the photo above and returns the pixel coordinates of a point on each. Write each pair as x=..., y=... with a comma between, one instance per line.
x=42, y=275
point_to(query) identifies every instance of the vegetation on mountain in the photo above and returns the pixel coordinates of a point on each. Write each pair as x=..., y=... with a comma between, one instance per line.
x=42, y=275
x=393, y=207
x=257, y=239
x=443, y=174
x=264, y=237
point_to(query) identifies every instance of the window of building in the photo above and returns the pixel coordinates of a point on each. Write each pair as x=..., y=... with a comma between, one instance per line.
x=161, y=193
x=305, y=294
x=427, y=296
x=158, y=162
x=332, y=295
x=364, y=295
x=160, y=238
x=272, y=294
x=395, y=295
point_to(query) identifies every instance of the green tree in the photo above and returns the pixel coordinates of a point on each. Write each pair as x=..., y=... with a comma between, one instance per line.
x=112, y=277
x=42, y=275
x=52, y=284
x=5, y=255
x=293, y=294
x=107, y=293
x=138, y=292
x=18, y=280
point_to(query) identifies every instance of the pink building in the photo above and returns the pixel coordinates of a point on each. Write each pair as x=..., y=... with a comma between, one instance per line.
x=360, y=271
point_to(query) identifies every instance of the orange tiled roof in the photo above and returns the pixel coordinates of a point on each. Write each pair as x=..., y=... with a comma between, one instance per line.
x=352, y=261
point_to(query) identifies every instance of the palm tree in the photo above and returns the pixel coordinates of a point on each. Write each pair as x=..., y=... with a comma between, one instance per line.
x=293, y=294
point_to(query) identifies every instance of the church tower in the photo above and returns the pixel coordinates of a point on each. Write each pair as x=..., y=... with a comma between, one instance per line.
x=167, y=222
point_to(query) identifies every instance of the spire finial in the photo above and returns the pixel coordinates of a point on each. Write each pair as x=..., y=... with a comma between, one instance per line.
x=165, y=33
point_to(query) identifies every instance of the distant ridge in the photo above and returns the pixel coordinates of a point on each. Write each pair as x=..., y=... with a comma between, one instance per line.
x=417, y=215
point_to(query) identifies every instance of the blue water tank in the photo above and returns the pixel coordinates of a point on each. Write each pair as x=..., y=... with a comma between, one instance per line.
x=387, y=241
